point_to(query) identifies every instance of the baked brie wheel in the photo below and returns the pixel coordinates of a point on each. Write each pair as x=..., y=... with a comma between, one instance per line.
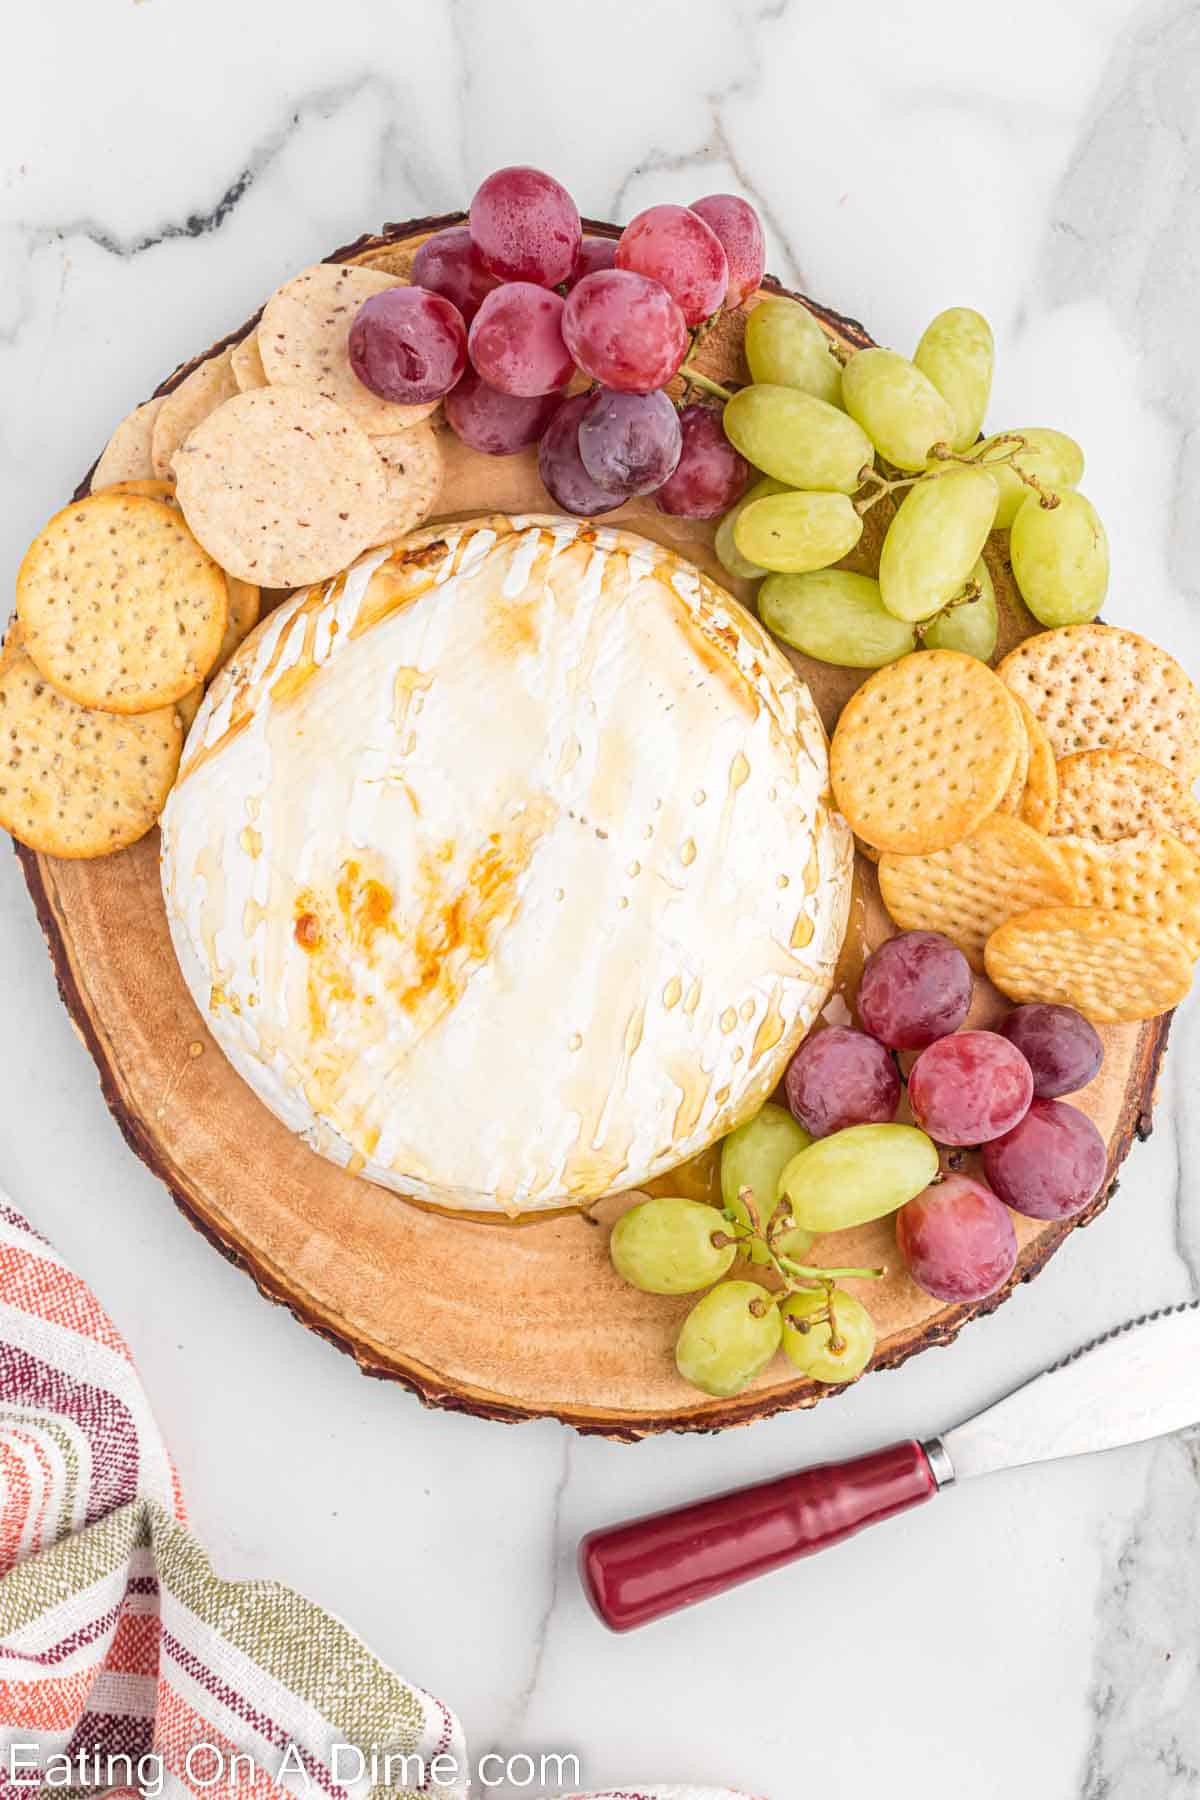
x=504, y=866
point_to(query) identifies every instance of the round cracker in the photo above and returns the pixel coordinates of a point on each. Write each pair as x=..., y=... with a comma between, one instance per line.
x=1014, y=793
x=414, y=479
x=245, y=607
x=281, y=487
x=924, y=751
x=1097, y=687
x=148, y=488
x=304, y=341
x=119, y=606
x=1109, y=794
x=1153, y=876
x=75, y=782
x=247, y=364
x=187, y=708
x=1112, y=967
x=965, y=892
x=1041, y=778
x=128, y=455
x=197, y=395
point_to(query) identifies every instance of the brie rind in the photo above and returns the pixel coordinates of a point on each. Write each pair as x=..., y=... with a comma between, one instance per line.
x=504, y=867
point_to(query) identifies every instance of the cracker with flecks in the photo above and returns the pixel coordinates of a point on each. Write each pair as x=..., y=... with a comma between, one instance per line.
x=75, y=782
x=414, y=479
x=304, y=342
x=120, y=607
x=1109, y=794
x=197, y=395
x=1097, y=687
x=128, y=455
x=247, y=364
x=281, y=487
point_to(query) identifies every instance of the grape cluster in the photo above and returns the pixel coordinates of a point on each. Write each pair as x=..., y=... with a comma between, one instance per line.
x=837, y=1156
x=505, y=310
x=834, y=439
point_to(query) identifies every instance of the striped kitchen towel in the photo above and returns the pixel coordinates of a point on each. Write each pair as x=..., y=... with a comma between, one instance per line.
x=126, y=1663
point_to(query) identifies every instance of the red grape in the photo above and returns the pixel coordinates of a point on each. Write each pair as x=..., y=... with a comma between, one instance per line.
x=740, y=230
x=969, y=1088
x=957, y=1240
x=449, y=264
x=526, y=226
x=1051, y=1164
x=408, y=345
x=672, y=244
x=710, y=475
x=495, y=423
x=629, y=442
x=594, y=253
x=517, y=342
x=914, y=988
x=561, y=466
x=841, y=1077
x=624, y=330
x=1061, y=1047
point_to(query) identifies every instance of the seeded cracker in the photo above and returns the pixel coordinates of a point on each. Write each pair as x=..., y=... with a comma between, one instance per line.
x=1113, y=968
x=127, y=455
x=199, y=394
x=281, y=487
x=1096, y=687
x=74, y=782
x=924, y=751
x=1109, y=794
x=304, y=337
x=119, y=606
x=414, y=479
x=247, y=364
x=971, y=888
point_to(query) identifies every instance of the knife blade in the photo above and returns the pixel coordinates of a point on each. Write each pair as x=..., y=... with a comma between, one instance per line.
x=1139, y=1381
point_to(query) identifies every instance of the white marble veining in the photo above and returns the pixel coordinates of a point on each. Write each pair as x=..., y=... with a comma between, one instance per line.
x=162, y=165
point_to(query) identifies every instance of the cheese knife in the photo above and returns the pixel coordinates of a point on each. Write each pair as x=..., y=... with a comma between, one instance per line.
x=1139, y=1381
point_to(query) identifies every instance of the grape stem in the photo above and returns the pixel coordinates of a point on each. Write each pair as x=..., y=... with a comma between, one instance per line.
x=810, y=1272
x=976, y=459
x=694, y=378
x=794, y=1275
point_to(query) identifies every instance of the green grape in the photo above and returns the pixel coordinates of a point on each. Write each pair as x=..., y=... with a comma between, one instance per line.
x=935, y=540
x=858, y=1174
x=836, y=617
x=811, y=1349
x=972, y=627
x=1060, y=559
x=728, y=1337
x=665, y=1246
x=728, y=554
x=1052, y=456
x=797, y=438
x=755, y=1156
x=786, y=346
x=897, y=406
x=792, y=533
x=956, y=353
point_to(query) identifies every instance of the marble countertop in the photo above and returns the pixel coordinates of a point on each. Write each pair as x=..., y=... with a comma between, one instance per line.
x=163, y=165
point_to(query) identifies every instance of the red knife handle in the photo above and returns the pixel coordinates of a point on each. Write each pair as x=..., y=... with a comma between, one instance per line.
x=640, y=1571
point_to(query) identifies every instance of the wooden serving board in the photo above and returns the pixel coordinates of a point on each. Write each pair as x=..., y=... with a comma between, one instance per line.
x=508, y=1322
